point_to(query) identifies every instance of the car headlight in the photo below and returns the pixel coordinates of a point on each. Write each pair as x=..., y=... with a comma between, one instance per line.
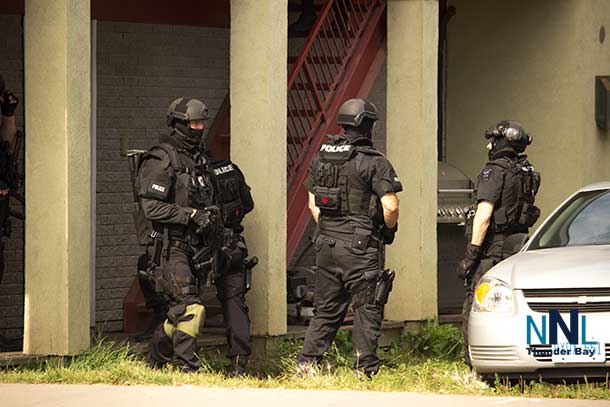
x=493, y=295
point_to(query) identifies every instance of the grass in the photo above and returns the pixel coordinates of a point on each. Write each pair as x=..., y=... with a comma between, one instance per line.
x=426, y=362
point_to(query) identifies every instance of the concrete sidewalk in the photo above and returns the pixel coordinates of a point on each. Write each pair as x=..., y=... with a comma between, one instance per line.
x=42, y=395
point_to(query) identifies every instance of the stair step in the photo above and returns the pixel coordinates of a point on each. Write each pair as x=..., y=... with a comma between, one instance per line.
x=319, y=86
x=319, y=60
x=302, y=112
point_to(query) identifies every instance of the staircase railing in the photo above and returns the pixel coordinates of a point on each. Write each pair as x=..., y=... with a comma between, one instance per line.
x=317, y=87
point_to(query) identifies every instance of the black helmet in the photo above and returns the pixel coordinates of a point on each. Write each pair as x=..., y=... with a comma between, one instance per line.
x=182, y=111
x=512, y=132
x=354, y=111
x=186, y=109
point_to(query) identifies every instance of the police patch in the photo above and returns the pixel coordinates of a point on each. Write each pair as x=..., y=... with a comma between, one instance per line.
x=486, y=174
x=158, y=188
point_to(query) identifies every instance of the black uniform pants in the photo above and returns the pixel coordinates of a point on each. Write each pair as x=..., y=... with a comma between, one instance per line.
x=492, y=255
x=231, y=292
x=342, y=272
x=177, y=336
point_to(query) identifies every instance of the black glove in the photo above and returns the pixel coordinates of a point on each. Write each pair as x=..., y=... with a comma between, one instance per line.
x=471, y=259
x=9, y=103
x=203, y=219
x=387, y=234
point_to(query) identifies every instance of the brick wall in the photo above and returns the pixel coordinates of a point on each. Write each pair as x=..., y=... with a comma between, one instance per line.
x=11, y=287
x=141, y=68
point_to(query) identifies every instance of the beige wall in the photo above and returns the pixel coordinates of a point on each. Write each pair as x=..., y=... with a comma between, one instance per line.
x=535, y=62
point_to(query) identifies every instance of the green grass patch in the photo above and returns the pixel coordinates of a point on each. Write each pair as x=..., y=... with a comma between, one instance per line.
x=429, y=361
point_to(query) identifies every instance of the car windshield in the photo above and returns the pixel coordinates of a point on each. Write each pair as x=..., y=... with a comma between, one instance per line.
x=584, y=220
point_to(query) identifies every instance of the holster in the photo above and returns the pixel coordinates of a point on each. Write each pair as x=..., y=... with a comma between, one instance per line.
x=384, y=287
x=248, y=266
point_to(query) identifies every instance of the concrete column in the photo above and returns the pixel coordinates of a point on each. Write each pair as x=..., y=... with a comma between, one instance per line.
x=57, y=110
x=258, y=145
x=412, y=148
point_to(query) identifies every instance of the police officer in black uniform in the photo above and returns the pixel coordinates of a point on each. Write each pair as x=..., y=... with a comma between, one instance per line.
x=352, y=197
x=232, y=196
x=505, y=191
x=176, y=195
x=194, y=184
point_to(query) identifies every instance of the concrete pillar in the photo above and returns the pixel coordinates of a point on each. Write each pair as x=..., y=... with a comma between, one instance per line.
x=258, y=145
x=57, y=110
x=412, y=148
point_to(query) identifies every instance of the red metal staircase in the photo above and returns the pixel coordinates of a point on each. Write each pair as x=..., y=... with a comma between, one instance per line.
x=340, y=60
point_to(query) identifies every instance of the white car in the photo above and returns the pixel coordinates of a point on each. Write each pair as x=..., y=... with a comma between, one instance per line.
x=545, y=311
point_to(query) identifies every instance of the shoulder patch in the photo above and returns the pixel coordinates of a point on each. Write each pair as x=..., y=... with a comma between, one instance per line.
x=486, y=174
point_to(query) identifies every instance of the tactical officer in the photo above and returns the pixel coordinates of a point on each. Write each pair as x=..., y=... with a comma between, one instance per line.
x=352, y=197
x=232, y=280
x=505, y=191
x=176, y=195
x=8, y=136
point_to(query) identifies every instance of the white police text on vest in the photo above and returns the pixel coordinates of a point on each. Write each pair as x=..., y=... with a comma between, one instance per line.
x=335, y=149
x=223, y=170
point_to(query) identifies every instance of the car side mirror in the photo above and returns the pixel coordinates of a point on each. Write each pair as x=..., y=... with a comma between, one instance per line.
x=513, y=244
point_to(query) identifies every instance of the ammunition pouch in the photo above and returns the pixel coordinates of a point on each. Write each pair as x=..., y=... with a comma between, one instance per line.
x=328, y=199
x=518, y=217
x=360, y=240
x=529, y=215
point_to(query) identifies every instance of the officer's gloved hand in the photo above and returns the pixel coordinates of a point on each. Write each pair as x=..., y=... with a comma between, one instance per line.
x=8, y=104
x=467, y=266
x=203, y=220
x=387, y=234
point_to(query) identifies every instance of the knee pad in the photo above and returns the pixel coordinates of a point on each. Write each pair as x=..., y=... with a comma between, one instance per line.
x=192, y=320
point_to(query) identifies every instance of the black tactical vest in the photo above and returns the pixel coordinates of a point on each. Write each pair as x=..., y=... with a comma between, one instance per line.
x=516, y=212
x=228, y=185
x=191, y=180
x=339, y=189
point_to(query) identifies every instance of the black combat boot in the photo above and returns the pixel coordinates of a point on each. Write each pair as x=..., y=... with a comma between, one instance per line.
x=238, y=366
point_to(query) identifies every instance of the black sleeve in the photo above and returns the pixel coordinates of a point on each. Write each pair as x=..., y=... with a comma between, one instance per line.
x=489, y=184
x=244, y=192
x=310, y=180
x=154, y=191
x=383, y=177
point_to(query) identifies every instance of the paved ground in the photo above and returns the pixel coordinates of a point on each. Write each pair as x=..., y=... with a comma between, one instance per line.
x=24, y=395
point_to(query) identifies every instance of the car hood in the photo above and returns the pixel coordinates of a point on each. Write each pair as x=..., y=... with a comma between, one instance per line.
x=563, y=267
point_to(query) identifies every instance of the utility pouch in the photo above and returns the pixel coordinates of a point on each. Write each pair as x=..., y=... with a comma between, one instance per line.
x=360, y=239
x=529, y=215
x=501, y=220
x=232, y=212
x=328, y=198
x=384, y=287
